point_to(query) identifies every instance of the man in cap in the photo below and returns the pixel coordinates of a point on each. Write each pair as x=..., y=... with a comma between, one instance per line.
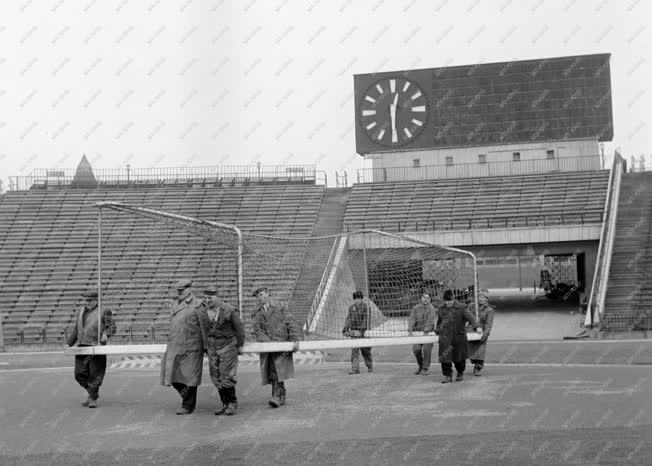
x=355, y=326
x=478, y=349
x=182, y=361
x=272, y=322
x=451, y=320
x=224, y=340
x=90, y=369
x=422, y=319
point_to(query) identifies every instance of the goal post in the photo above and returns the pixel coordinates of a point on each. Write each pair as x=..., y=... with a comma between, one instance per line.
x=394, y=272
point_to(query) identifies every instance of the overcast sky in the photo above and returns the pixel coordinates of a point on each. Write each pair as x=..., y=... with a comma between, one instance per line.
x=166, y=83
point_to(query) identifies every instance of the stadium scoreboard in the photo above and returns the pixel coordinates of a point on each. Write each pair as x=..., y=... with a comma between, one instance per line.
x=493, y=103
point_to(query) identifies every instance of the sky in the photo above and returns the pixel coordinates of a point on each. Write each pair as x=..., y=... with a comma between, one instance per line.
x=176, y=83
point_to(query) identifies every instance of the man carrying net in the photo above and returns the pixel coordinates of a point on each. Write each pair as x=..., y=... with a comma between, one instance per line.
x=182, y=361
x=451, y=328
x=90, y=369
x=272, y=322
x=422, y=319
x=355, y=326
x=224, y=340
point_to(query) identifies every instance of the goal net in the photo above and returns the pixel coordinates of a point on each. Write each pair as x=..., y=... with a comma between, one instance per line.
x=315, y=278
x=393, y=272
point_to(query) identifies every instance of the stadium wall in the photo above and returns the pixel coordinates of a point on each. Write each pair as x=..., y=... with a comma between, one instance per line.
x=563, y=149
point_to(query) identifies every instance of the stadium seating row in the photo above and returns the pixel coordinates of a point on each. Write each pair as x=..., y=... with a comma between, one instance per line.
x=48, y=240
x=477, y=202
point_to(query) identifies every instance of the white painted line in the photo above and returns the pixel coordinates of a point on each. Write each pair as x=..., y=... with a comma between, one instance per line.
x=19, y=353
x=514, y=364
x=4, y=363
x=37, y=369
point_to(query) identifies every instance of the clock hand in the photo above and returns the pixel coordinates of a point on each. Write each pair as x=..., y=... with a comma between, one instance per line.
x=392, y=114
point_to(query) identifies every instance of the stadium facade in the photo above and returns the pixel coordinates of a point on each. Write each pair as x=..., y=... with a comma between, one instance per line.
x=482, y=119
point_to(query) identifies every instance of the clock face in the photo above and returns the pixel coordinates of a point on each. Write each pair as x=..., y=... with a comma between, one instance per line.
x=393, y=112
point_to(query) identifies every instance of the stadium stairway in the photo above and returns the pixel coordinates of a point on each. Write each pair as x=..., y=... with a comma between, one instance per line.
x=329, y=222
x=628, y=304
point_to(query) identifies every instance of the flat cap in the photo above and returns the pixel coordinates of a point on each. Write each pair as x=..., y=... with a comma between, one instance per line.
x=258, y=290
x=183, y=283
x=90, y=294
x=210, y=291
x=484, y=292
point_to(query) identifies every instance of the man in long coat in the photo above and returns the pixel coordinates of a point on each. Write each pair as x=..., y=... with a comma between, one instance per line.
x=451, y=328
x=181, y=365
x=224, y=339
x=422, y=319
x=478, y=349
x=355, y=326
x=272, y=322
x=90, y=369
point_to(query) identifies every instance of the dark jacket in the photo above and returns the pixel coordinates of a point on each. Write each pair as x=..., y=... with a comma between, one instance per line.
x=451, y=328
x=275, y=324
x=357, y=318
x=227, y=329
x=86, y=322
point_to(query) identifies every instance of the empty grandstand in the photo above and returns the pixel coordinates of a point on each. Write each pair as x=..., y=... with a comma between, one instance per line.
x=48, y=239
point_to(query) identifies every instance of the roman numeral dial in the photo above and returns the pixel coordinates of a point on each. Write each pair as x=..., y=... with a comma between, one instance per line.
x=393, y=111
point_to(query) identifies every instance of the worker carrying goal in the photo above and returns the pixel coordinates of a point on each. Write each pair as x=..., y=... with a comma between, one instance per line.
x=355, y=326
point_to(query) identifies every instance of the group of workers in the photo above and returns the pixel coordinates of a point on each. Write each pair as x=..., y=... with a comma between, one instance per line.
x=213, y=327
x=449, y=320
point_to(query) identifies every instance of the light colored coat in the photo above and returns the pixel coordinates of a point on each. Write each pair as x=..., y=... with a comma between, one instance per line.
x=183, y=359
x=422, y=318
x=478, y=348
x=275, y=324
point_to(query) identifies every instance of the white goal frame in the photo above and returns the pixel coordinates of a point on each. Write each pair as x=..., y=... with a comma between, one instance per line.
x=203, y=228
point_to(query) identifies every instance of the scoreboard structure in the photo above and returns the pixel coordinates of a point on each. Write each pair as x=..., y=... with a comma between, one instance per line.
x=485, y=104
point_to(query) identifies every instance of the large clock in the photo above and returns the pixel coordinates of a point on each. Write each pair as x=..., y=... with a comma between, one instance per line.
x=393, y=111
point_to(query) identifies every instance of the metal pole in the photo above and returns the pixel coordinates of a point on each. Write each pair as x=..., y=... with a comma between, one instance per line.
x=475, y=284
x=99, y=275
x=364, y=260
x=366, y=273
x=239, y=265
x=2, y=335
x=520, y=278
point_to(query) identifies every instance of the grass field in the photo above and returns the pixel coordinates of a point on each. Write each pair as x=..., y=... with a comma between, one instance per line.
x=515, y=414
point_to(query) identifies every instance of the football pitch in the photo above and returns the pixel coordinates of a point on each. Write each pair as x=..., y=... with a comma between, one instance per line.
x=513, y=414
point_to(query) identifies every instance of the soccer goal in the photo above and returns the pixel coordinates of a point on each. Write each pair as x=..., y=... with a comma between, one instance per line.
x=142, y=252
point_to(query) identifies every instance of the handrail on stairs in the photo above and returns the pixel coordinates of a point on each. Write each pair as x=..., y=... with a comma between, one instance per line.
x=322, y=284
x=595, y=308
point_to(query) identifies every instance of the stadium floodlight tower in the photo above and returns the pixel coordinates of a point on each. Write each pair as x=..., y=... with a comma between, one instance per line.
x=208, y=229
